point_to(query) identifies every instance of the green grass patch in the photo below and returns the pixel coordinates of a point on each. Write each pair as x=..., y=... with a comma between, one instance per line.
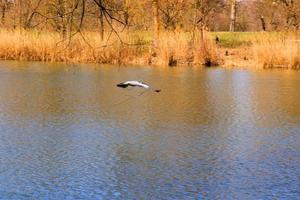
x=227, y=39
x=236, y=39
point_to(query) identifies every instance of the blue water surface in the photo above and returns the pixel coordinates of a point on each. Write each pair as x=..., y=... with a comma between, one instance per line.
x=67, y=132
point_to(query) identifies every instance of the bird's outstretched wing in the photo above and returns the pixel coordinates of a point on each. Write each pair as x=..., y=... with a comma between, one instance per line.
x=122, y=85
x=133, y=84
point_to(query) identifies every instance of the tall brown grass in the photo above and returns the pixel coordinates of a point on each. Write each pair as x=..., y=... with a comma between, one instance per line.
x=277, y=51
x=35, y=46
x=89, y=48
x=182, y=48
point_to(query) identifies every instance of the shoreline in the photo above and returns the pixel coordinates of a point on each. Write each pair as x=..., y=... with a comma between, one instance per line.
x=240, y=58
x=222, y=49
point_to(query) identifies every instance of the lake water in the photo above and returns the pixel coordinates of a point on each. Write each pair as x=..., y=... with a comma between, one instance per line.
x=67, y=132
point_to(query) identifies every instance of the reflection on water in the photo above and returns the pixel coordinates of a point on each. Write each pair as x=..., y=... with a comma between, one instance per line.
x=66, y=132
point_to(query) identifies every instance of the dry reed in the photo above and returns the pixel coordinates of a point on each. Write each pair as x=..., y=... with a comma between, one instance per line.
x=183, y=48
x=49, y=47
x=89, y=48
x=277, y=51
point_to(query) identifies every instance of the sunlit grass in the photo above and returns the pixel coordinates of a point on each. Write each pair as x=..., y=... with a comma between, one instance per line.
x=127, y=47
x=233, y=40
x=277, y=51
x=268, y=50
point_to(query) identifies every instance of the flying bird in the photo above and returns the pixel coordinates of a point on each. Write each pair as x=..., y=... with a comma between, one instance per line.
x=135, y=84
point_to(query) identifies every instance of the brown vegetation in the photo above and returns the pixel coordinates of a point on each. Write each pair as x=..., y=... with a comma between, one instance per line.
x=181, y=48
x=280, y=51
x=171, y=48
x=159, y=32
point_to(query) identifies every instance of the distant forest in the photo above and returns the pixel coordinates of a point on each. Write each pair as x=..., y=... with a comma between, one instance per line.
x=65, y=16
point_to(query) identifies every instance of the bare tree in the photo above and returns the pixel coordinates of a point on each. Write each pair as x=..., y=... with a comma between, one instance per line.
x=31, y=13
x=203, y=13
x=172, y=12
x=291, y=10
x=232, y=16
x=156, y=25
x=3, y=5
x=280, y=14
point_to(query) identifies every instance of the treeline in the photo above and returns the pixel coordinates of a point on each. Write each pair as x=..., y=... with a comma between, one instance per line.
x=70, y=16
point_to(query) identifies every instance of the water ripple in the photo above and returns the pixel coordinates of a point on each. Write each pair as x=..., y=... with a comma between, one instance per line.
x=210, y=134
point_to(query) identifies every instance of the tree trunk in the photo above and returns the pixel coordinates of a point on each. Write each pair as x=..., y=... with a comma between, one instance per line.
x=63, y=19
x=126, y=13
x=233, y=16
x=156, y=19
x=20, y=15
x=263, y=23
x=101, y=19
x=3, y=9
x=196, y=2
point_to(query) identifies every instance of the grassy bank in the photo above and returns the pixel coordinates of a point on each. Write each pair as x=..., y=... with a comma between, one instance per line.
x=48, y=47
x=128, y=48
x=280, y=51
x=260, y=50
x=263, y=50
